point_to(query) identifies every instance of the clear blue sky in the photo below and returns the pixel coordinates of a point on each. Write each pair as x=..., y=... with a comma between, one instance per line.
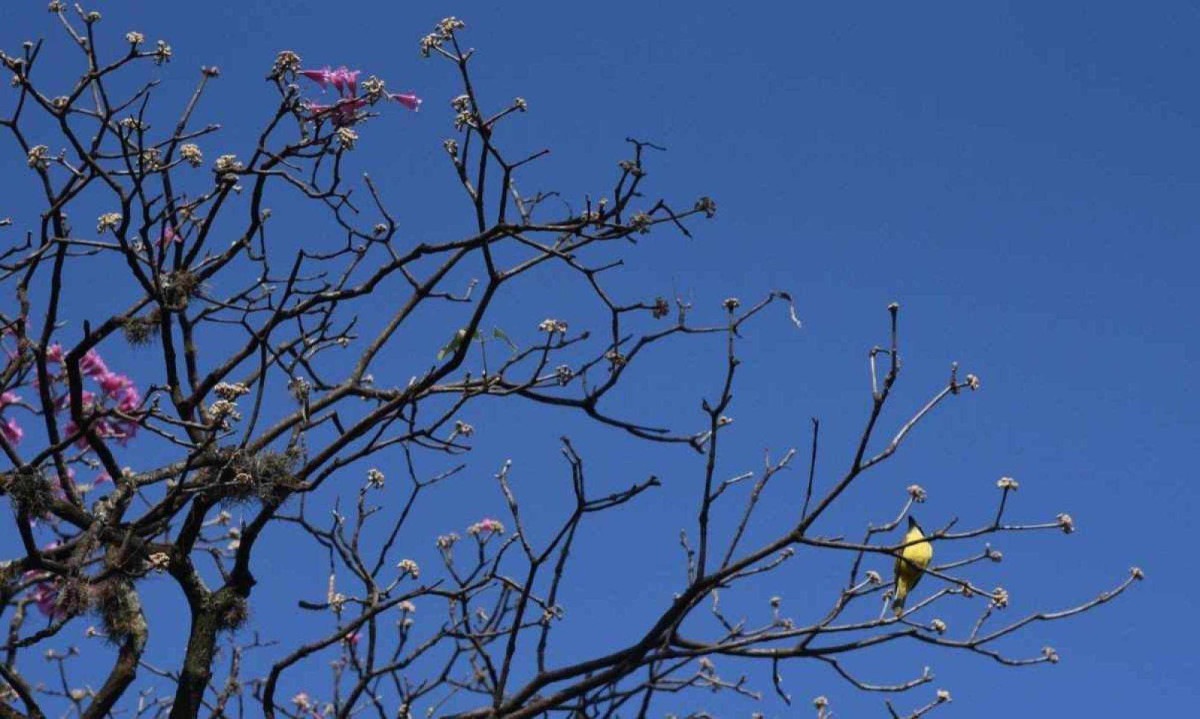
x=1020, y=176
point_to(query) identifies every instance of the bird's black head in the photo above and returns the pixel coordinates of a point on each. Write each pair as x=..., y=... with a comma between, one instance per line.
x=912, y=522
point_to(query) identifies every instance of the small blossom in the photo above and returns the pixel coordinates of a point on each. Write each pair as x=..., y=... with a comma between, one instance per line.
x=191, y=153
x=917, y=493
x=776, y=601
x=461, y=103
x=521, y=104
x=972, y=382
x=1137, y=573
x=707, y=666
x=446, y=541
x=1066, y=523
x=563, y=374
x=1050, y=654
x=162, y=53
x=134, y=37
x=375, y=478
x=346, y=138
x=938, y=626
x=227, y=163
x=821, y=702
x=641, y=222
x=731, y=304
x=407, y=607
x=552, y=326
x=486, y=526
x=873, y=577
x=943, y=696
x=230, y=390
x=286, y=62
x=409, y=568
x=221, y=412
x=1008, y=484
x=159, y=561
x=461, y=427
x=1000, y=597
x=108, y=221
x=724, y=420
x=450, y=145
x=707, y=206
x=302, y=701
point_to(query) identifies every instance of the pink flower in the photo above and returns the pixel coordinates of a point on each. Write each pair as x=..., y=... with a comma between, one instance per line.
x=55, y=353
x=12, y=431
x=8, y=398
x=407, y=99
x=168, y=237
x=129, y=400
x=352, y=638
x=45, y=595
x=321, y=76
x=343, y=79
x=113, y=383
x=487, y=525
x=102, y=478
x=342, y=113
x=91, y=364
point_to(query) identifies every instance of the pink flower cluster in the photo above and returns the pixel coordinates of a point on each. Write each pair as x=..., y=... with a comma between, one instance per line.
x=45, y=595
x=45, y=592
x=344, y=112
x=117, y=391
x=9, y=427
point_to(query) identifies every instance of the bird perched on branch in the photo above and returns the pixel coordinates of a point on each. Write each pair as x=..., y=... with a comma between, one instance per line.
x=911, y=560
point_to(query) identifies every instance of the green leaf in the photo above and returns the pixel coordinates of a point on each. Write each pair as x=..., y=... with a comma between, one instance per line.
x=453, y=345
x=499, y=334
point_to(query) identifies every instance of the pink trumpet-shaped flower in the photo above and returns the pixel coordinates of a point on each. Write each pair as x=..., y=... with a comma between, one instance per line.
x=129, y=400
x=12, y=431
x=321, y=76
x=8, y=398
x=91, y=364
x=55, y=353
x=342, y=113
x=345, y=79
x=407, y=99
x=113, y=383
x=45, y=596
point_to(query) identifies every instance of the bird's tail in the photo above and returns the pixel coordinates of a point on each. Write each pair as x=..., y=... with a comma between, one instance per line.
x=898, y=602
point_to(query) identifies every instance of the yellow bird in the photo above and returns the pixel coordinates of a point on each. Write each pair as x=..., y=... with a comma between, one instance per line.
x=911, y=561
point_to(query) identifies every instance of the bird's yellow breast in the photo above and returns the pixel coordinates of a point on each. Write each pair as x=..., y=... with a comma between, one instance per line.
x=920, y=553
